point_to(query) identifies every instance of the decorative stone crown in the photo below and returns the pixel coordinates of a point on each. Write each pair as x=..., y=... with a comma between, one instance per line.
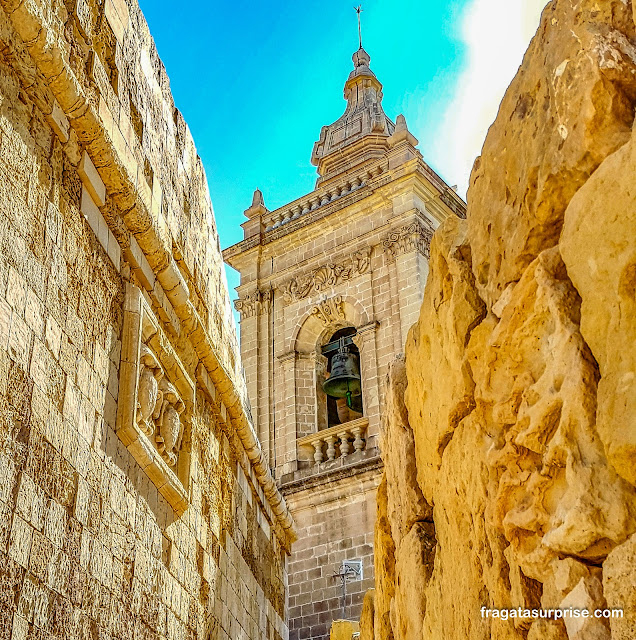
x=363, y=119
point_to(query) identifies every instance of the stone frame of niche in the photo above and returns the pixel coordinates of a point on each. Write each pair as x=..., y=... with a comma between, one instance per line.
x=141, y=329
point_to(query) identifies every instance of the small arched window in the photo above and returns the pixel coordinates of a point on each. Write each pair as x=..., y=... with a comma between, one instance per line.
x=344, y=400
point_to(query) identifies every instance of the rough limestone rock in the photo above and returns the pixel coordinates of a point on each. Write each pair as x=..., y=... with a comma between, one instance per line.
x=520, y=371
x=367, y=615
x=343, y=629
x=597, y=244
x=413, y=567
x=440, y=395
x=404, y=496
x=570, y=106
x=587, y=594
x=553, y=491
x=384, y=560
x=619, y=587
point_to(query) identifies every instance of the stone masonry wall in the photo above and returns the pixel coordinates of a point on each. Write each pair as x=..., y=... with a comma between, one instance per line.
x=121, y=515
x=510, y=457
x=335, y=523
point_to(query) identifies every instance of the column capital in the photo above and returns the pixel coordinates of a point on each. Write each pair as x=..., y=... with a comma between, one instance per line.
x=252, y=304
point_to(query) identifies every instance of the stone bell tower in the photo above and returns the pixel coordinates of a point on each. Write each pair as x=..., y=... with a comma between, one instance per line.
x=336, y=275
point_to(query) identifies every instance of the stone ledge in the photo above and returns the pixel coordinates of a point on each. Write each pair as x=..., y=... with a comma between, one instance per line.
x=333, y=471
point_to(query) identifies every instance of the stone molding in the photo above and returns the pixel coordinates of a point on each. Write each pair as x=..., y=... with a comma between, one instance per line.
x=156, y=400
x=415, y=236
x=254, y=303
x=290, y=356
x=327, y=276
x=315, y=478
x=329, y=311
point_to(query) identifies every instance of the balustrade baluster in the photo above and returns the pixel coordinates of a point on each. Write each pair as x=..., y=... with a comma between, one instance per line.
x=358, y=443
x=331, y=447
x=344, y=443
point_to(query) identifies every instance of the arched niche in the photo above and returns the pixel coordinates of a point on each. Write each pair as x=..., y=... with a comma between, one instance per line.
x=322, y=321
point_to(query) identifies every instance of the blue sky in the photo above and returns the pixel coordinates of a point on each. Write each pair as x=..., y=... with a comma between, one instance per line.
x=256, y=81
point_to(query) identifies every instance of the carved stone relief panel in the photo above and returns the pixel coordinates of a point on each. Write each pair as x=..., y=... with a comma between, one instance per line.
x=327, y=276
x=329, y=311
x=155, y=403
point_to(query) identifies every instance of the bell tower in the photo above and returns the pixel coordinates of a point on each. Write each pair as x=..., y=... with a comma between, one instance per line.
x=330, y=284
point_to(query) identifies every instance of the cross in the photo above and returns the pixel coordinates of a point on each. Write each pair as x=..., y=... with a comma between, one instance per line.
x=358, y=10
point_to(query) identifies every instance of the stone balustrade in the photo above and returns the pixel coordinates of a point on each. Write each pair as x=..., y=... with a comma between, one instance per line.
x=277, y=218
x=338, y=441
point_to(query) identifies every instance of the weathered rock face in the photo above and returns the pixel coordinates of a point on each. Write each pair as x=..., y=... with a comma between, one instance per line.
x=367, y=615
x=569, y=107
x=384, y=557
x=597, y=244
x=521, y=373
x=409, y=515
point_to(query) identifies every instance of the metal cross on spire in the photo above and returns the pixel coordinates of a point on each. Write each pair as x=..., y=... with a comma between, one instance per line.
x=358, y=10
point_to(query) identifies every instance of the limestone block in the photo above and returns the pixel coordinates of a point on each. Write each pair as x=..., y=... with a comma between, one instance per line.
x=59, y=122
x=598, y=250
x=92, y=180
x=568, y=108
x=619, y=588
x=20, y=541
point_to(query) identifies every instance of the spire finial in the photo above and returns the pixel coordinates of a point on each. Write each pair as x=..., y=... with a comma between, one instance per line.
x=359, y=10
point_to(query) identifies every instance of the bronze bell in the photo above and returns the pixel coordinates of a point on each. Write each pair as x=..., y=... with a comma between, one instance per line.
x=344, y=381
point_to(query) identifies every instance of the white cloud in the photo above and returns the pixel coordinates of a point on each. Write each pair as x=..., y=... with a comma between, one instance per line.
x=496, y=34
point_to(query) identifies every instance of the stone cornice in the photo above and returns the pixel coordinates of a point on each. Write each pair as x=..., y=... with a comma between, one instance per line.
x=435, y=190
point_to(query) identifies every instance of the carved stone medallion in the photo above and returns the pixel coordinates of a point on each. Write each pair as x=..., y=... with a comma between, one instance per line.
x=329, y=311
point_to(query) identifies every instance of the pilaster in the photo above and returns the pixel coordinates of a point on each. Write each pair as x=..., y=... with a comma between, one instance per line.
x=366, y=342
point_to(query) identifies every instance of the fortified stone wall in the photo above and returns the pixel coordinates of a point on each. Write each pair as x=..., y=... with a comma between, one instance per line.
x=134, y=501
x=510, y=458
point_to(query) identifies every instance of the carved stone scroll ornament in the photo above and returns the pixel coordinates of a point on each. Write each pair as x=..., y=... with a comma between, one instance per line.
x=327, y=276
x=416, y=236
x=329, y=311
x=252, y=304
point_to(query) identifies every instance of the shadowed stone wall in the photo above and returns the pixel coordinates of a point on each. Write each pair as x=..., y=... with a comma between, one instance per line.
x=134, y=502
